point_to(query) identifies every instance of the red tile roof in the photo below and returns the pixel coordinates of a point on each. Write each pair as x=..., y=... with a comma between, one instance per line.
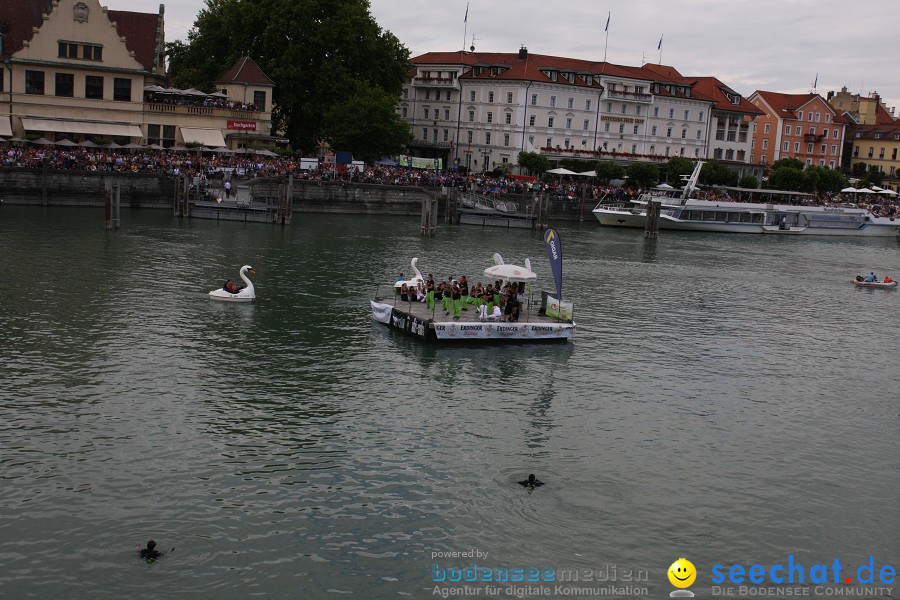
x=139, y=31
x=712, y=88
x=245, y=71
x=786, y=105
x=20, y=17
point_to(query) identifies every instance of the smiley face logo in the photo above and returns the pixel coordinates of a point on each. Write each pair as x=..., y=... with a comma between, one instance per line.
x=682, y=573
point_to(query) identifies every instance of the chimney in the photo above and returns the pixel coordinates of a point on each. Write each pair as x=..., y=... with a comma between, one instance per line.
x=523, y=53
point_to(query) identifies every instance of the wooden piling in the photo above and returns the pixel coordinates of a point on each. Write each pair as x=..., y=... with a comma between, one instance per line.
x=651, y=226
x=107, y=203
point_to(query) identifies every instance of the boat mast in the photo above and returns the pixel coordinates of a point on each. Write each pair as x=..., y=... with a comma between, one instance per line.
x=691, y=183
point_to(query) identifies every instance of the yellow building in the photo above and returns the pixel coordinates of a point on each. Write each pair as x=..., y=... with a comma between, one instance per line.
x=865, y=110
x=878, y=145
x=75, y=70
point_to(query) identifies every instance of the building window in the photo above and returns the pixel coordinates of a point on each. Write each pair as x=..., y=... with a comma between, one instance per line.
x=571, y=102
x=472, y=96
x=586, y=123
x=809, y=148
x=469, y=137
x=624, y=108
x=509, y=118
x=491, y=97
x=487, y=138
x=428, y=94
x=827, y=118
x=427, y=110
x=818, y=115
x=637, y=110
x=68, y=50
x=65, y=85
x=93, y=87
x=787, y=146
x=490, y=117
x=621, y=127
x=446, y=114
x=425, y=133
x=812, y=130
x=471, y=116
x=405, y=110
x=506, y=139
x=835, y=134
x=587, y=104
x=549, y=143
x=668, y=132
x=609, y=107
x=671, y=113
x=549, y=121
x=766, y=128
x=534, y=99
x=606, y=126
x=699, y=134
x=636, y=129
x=446, y=135
x=765, y=144
x=687, y=115
x=34, y=82
x=655, y=111
x=787, y=130
x=683, y=133
x=566, y=143
x=552, y=101
x=405, y=93
x=509, y=97
x=729, y=154
x=700, y=114
x=653, y=130
x=634, y=148
x=825, y=148
x=796, y=146
x=447, y=97
x=569, y=123
x=531, y=120
x=652, y=149
x=740, y=155
x=90, y=52
x=825, y=133
x=259, y=100
x=531, y=140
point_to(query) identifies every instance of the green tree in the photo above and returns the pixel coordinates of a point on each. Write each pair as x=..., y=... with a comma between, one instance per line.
x=875, y=176
x=573, y=164
x=642, y=174
x=321, y=54
x=676, y=167
x=810, y=181
x=607, y=170
x=860, y=169
x=831, y=181
x=367, y=123
x=749, y=181
x=786, y=178
x=534, y=162
x=717, y=173
x=794, y=163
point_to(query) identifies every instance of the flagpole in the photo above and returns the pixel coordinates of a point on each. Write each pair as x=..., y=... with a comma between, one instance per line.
x=607, y=36
x=465, y=26
x=660, y=49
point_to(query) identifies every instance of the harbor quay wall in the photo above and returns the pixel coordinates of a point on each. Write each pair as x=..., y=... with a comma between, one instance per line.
x=149, y=190
x=84, y=188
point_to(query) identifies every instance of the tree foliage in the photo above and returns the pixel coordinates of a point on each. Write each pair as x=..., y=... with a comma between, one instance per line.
x=749, y=181
x=326, y=57
x=717, y=173
x=786, y=178
x=794, y=163
x=607, y=170
x=676, y=167
x=534, y=162
x=642, y=174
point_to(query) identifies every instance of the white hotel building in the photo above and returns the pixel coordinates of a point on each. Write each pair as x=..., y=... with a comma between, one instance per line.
x=479, y=110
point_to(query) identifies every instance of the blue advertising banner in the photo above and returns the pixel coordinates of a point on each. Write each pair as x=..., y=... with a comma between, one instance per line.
x=554, y=251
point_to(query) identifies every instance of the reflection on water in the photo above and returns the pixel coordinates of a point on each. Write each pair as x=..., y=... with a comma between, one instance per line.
x=710, y=407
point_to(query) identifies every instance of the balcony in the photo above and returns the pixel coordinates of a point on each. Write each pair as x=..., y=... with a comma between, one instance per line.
x=813, y=138
x=193, y=110
x=432, y=82
x=634, y=96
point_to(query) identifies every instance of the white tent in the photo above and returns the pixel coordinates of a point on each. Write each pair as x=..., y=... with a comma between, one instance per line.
x=561, y=171
x=849, y=190
x=864, y=191
x=887, y=193
x=588, y=173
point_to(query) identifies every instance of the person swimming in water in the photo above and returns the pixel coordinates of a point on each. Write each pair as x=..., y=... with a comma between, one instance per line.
x=150, y=552
x=532, y=482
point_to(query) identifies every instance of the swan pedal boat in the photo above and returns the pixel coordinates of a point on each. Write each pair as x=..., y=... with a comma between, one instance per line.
x=245, y=294
x=875, y=284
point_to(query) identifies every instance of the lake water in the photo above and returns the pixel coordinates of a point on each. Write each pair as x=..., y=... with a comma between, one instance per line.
x=729, y=399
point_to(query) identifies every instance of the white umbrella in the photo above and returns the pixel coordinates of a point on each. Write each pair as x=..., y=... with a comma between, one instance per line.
x=588, y=173
x=888, y=193
x=865, y=191
x=89, y=144
x=849, y=190
x=875, y=188
x=510, y=273
x=66, y=143
x=664, y=186
x=154, y=88
x=561, y=171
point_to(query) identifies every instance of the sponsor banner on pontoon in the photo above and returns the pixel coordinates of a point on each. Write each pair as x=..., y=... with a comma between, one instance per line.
x=409, y=323
x=559, y=310
x=502, y=331
x=382, y=312
x=554, y=252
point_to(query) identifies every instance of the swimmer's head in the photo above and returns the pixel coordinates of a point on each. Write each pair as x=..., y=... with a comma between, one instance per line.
x=531, y=479
x=151, y=545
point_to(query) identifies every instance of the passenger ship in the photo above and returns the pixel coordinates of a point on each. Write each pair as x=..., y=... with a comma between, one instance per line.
x=690, y=214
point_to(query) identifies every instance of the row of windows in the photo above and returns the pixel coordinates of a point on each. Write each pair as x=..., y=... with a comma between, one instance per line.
x=65, y=86
x=729, y=154
x=812, y=131
x=763, y=160
x=872, y=153
x=83, y=51
x=809, y=147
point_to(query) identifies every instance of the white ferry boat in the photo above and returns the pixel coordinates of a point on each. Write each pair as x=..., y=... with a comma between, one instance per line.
x=691, y=214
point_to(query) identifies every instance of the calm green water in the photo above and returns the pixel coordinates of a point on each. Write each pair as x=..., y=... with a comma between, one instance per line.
x=729, y=399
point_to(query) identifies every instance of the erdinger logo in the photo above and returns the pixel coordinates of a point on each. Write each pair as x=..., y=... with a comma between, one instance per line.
x=81, y=12
x=682, y=574
x=452, y=329
x=489, y=329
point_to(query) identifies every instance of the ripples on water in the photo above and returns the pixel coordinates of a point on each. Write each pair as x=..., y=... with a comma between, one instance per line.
x=729, y=398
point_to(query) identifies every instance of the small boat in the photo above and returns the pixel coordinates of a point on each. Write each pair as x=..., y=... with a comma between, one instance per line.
x=244, y=294
x=887, y=284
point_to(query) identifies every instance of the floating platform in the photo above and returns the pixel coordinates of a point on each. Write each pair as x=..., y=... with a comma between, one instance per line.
x=416, y=319
x=234, y=211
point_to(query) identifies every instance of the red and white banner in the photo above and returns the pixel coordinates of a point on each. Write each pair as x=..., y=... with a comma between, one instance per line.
x=242, y=125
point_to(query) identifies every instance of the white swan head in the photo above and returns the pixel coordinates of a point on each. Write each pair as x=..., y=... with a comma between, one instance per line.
x=413, y=281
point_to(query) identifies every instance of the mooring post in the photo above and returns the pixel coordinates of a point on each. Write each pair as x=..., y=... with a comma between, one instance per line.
x=107, y=203
x=289, y=200
x=651, y=226
x=118, y=216
x=43, y=181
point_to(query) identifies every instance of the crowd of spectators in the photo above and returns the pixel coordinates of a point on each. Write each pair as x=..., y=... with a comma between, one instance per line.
x=210, y=166
x=204, y=101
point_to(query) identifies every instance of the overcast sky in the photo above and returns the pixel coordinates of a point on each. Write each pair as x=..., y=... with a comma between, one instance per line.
x=775, y=45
